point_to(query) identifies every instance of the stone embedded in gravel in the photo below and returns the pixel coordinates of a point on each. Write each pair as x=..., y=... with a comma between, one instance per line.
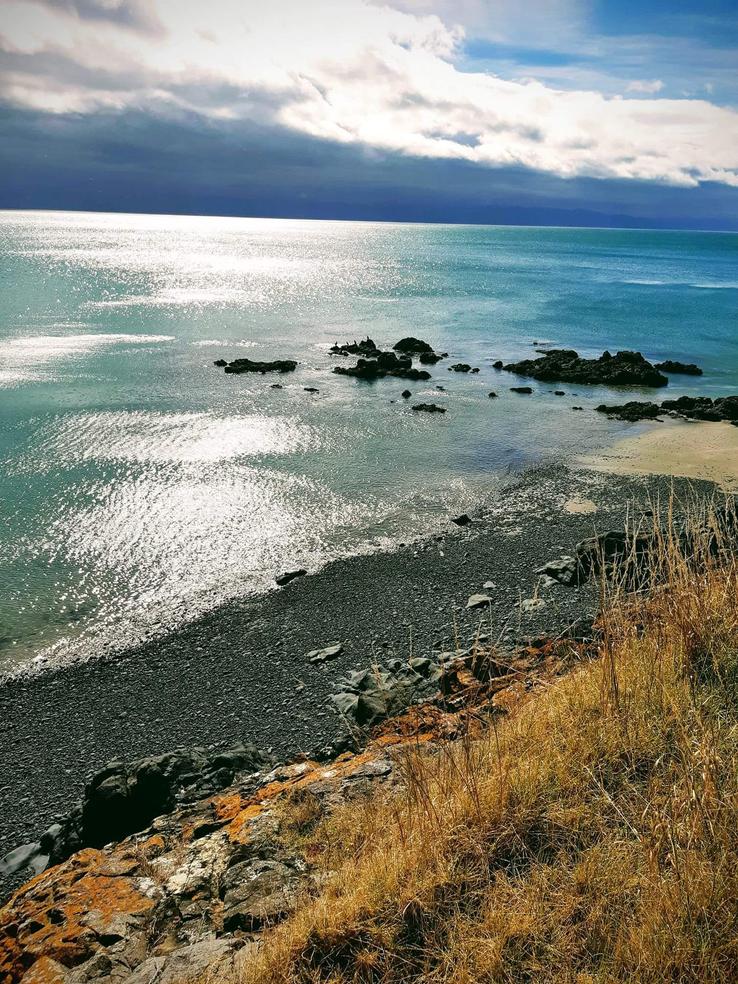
x=288, y=576
x=323, y=655
x=531, y=605
x=477, y=600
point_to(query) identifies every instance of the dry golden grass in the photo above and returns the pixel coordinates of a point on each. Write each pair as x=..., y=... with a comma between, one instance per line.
x=591, y=836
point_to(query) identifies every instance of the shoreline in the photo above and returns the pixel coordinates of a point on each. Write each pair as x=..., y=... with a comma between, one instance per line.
x=240, y=673
x=692, y=449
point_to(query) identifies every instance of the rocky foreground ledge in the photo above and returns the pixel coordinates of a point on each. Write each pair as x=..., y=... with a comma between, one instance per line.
x=190, y=891
x=173, y=865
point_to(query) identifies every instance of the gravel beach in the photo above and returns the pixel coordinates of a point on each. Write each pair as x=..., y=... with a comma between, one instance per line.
x=241, y=672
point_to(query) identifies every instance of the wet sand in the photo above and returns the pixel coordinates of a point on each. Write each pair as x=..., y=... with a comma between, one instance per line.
x=688, y=449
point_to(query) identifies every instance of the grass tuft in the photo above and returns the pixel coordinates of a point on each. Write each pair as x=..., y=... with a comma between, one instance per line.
x=590, y=836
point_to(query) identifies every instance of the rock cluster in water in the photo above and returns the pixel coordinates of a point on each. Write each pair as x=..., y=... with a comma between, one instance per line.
x=247, y=365
x=690, y=407
x=566, y=366
x=679, y=368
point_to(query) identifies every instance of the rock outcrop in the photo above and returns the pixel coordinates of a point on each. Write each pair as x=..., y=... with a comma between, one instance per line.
x=246, y=365
x=690, y=407
x=566, y=366
x=429, y=408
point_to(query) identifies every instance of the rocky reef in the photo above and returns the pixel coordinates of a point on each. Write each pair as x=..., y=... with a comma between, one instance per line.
x=679, y=368
x=246, y=365
x=688, y=407
x=566, y=366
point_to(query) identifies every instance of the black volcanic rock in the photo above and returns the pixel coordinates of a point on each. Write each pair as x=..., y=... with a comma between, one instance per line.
x=220, y=363
x=365, y=347
x=683, y=368
x=525, y=390
x=413, y=346
x=632, y=411
x=385, y=364
x=246, y=365
x=565, y=365
x=429, y=408
x=460, y=367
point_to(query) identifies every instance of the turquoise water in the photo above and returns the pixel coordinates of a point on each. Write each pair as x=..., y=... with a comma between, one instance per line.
x=141, y=486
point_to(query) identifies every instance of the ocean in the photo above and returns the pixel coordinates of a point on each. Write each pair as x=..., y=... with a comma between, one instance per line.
x=141, y=486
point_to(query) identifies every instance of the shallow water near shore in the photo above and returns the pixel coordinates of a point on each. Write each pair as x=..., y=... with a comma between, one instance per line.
x=140, y=486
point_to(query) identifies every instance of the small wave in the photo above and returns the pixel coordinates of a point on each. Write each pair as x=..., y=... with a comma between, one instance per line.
x=224, y=343
x=681, y=283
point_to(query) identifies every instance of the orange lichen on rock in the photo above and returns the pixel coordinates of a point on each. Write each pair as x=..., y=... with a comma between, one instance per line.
x=59, y=914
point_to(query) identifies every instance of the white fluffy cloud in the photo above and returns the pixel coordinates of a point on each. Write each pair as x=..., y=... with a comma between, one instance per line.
x=350, y=71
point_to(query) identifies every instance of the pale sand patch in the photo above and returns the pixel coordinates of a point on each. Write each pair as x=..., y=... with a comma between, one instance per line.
x=689, y=449
x=582, y=507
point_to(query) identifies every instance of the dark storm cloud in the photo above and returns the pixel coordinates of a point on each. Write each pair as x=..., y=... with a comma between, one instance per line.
x=133, y=162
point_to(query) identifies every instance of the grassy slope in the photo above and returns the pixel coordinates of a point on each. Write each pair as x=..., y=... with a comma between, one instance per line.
x=591, y=836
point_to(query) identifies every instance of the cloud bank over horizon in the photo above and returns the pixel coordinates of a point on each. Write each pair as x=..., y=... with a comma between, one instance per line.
x=413, y=79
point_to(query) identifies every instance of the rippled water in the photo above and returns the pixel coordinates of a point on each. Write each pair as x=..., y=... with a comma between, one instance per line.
x=140, y=485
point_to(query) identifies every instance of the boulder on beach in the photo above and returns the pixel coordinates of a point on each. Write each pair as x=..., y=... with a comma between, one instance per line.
x=288, y=576
x=325, y=654
x=247, y=365
x=566, y=366
x=681, y=368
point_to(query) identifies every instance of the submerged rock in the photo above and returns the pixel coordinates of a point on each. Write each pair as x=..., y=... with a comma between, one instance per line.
x=521, y=389
x=220, y=363
x=632, y=411
x=429, y=408
x=683, y=368
x=460, y=367
x=247, y=365
x=565, y=365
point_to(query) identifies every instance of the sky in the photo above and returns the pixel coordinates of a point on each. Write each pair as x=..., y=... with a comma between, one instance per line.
x=564, y=112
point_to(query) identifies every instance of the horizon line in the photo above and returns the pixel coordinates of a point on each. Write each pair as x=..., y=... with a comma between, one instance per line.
x=418, y=222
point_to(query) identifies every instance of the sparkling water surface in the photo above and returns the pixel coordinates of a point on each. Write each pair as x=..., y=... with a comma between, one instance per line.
x=140, y=486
